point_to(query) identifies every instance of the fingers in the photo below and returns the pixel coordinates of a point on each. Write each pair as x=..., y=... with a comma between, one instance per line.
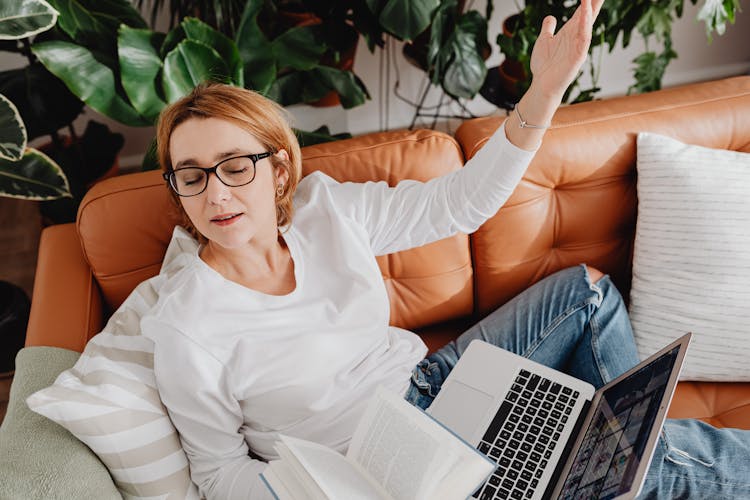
x=548, y=26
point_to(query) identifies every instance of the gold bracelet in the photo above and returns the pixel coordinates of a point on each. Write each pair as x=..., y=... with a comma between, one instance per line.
x=524, y=124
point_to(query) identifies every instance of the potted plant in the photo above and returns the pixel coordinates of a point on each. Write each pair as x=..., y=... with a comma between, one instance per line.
x=25, y=173
x=45, y=105
x=145, y=69
x=223, y=15
x=618, y=20
x=302, y=50
x=443, y=39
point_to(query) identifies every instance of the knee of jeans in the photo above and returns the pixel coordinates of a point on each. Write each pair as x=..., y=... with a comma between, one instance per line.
x=678, y=456
x=593, y=276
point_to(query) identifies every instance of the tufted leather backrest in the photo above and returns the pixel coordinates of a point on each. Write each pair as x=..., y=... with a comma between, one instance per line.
x=125, y=225
x=577, y=202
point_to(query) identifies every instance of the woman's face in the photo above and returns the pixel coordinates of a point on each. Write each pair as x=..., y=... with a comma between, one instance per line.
x=227, y=216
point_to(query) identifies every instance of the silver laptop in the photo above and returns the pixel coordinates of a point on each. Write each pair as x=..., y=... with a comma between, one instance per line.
x=552, y=435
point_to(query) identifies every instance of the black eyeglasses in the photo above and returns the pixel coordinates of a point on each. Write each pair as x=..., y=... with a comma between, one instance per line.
x=233, y=172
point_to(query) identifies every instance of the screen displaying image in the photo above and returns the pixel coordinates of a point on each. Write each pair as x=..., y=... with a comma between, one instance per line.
x=613, y=445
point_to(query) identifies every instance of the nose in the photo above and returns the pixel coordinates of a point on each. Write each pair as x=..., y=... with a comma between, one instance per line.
x=216, y=191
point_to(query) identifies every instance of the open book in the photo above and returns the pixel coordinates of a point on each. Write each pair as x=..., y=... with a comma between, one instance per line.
x=398, y=452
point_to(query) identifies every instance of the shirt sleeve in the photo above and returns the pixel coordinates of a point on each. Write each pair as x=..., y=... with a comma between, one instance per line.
x=415, y=213
x=193, y=387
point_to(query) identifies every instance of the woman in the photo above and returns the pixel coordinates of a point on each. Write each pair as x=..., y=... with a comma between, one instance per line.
x=279, y=324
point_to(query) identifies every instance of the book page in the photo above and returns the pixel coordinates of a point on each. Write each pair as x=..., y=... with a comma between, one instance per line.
x=406, y=451
x=336, y=476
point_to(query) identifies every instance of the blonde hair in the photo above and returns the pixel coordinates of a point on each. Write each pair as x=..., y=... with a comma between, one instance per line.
x=262, y=118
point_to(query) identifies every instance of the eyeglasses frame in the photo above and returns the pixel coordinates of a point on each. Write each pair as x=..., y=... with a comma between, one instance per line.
x=255, y=158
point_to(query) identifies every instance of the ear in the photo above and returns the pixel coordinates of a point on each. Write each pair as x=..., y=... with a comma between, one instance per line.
x=282, y=174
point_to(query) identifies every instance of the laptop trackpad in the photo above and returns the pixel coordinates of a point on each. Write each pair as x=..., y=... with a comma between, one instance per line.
x=461, y=408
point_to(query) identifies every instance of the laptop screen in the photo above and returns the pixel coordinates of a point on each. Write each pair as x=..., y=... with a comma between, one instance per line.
x=614, y=443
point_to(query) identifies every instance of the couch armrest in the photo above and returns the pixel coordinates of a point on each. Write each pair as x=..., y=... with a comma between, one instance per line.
x=38, y=458
x=66, y=307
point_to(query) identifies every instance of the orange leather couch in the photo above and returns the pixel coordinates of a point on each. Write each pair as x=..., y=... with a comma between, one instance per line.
x=577, y=203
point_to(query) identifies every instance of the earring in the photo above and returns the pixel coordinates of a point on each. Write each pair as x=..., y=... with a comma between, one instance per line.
x=280, y=190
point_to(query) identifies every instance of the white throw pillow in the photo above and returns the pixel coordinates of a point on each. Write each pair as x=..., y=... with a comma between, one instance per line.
x=109, y=399
x=691, y=263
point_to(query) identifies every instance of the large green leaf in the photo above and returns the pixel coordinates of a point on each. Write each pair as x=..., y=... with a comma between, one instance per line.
x=438, y=53
x=34, y=177
x=407, y=18
x=172, y=40
x=350, y=89
x=197, y=30
x=298, y=48
x=188, y=65
x=21, y=19
x=140, y=64
x=318, y=136
x=310, y=86
x=12, y=131
x=44, y=102
x=297, y=87
x=255, y=50
x=466, y=72
x=94, y=23
x=87, y=78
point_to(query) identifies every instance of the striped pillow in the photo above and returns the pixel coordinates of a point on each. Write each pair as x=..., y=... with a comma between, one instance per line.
x=691, y=263
x=109, y=400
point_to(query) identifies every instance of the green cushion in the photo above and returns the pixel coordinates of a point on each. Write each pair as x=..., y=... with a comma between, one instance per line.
x=38, y=458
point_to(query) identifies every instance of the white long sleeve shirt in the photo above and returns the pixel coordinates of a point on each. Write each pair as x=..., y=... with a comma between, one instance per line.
x=236, y=367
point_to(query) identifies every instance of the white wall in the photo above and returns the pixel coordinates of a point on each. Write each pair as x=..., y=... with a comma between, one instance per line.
x=727, y=55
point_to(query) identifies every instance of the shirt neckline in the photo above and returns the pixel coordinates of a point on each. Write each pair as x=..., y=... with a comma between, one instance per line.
x=290, y=238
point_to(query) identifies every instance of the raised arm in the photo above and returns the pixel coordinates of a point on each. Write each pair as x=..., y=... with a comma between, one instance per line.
x=555, y=62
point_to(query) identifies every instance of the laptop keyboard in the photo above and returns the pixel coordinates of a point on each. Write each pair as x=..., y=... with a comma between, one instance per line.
x=523, y=435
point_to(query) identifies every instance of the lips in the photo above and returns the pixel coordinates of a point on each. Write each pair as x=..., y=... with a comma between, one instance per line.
x=225, y=219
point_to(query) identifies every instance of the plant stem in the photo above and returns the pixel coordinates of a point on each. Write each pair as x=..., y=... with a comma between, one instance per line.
x=26, y=50
x=56, y=141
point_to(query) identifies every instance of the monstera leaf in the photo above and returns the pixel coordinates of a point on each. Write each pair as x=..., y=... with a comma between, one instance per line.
x=405, y=19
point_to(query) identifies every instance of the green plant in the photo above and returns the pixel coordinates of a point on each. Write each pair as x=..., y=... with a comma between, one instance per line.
x=292, y=49
x=446, y=41
x=45, y=105
x=220, y=14
x=25, y=173
x=618, y=20
x=134, y=76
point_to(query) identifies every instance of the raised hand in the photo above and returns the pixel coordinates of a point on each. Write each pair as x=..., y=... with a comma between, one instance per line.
x=557, y=57
x=555, y=62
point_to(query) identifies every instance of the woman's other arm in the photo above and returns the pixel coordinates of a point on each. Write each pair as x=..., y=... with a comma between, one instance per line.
x=193, y=386
x=555, y=62
x=413, y=213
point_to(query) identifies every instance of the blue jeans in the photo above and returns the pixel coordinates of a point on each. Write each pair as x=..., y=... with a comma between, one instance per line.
x=582, y=328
